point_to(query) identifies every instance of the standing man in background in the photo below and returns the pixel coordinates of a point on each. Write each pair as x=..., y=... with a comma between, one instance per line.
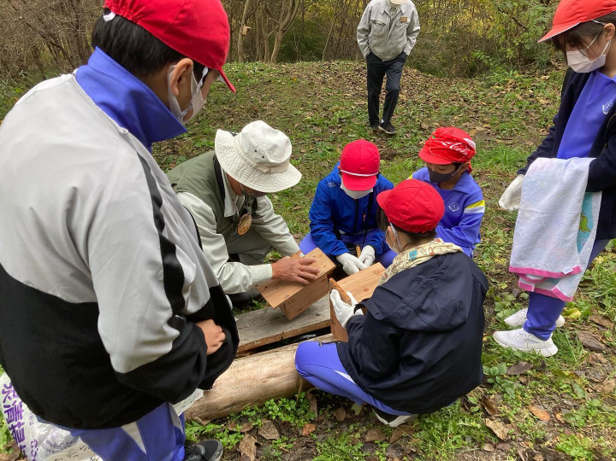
x=386, y=35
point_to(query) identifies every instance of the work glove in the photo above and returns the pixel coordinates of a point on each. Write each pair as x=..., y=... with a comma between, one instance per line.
x=350, y=263
x=512, y=196
x=367, y=255
x=343, y=310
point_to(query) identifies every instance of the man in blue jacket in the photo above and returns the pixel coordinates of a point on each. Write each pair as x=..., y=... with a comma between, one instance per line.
x=344, y=210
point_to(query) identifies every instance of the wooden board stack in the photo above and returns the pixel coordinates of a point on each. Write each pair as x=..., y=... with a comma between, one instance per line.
x=294, y=298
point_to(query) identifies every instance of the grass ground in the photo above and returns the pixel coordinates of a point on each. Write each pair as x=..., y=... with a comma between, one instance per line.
x=528, y=407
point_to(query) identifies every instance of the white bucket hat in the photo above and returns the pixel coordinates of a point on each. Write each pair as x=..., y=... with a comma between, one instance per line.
x=258, y=157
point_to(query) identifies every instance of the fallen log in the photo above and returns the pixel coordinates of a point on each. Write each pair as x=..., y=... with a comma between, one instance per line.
x=250, y=381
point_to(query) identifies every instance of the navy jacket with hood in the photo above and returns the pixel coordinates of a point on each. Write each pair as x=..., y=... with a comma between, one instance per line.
x=418, y=348
x=333, y=210
x=602, y=175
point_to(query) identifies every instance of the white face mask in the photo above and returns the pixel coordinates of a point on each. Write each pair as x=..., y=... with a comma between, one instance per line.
x=395, y=234
x=196, y=102
x=581, y=64
x=355, y=194
x=393, y=5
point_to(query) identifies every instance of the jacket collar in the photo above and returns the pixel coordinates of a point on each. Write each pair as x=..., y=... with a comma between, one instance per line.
x=385, y=7
x=127, y=100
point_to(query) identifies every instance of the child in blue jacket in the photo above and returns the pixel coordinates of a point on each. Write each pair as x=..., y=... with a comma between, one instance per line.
x=448, y=153
x=343, y=212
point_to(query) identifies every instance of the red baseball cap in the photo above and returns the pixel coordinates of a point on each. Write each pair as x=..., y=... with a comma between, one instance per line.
x=571, y=13
x=199, y=29
x=448, y=145
x=413, y=206
x=359, y=165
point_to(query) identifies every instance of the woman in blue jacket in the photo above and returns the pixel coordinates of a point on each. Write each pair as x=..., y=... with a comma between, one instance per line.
x=418, y=347
x=585, y=126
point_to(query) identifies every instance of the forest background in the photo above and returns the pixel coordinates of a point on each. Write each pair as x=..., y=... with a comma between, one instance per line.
x=459, y=38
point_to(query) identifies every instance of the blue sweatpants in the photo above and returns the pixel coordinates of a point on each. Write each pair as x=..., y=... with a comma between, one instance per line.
x=308, y=244
x=543, y=311
x=320, y=366
x=158, y=436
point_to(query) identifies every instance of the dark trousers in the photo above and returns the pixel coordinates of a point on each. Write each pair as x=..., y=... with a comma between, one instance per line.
x=377, y=69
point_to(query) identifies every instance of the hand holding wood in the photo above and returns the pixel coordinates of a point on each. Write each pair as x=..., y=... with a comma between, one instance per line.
x=344, y=311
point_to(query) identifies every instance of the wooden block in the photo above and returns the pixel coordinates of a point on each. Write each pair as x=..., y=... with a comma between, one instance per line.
x=361, y=285
x=294, y=298
x=267, y=326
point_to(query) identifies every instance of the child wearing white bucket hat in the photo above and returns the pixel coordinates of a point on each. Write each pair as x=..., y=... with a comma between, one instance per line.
x=225, y=191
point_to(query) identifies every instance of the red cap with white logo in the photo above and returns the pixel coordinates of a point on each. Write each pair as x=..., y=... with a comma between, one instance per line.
x=448, y=145
x=359, y=165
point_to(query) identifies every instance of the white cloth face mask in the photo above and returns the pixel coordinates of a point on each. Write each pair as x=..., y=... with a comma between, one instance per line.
x=580, y=63
x=196, y=101
x=395, y=234
x=355, y=194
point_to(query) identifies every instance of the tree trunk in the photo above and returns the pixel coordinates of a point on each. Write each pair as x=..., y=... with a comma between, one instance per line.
x=331, y=30
x=240, y=37
x=272, y=375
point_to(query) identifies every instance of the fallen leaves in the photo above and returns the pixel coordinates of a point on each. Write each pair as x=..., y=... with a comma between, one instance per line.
x=374, y=435
x=248, y=448
x=539, y=413
x=312, y=401
x=519, y=368
x=400, y=432
x=602, y=321
x=489, y=405
x=268, y=430
x=606, y=387
x=356, y=409
x=340, y=414
x=308, y=429
x=488, y=447
x=500, y=430
x=590, y=341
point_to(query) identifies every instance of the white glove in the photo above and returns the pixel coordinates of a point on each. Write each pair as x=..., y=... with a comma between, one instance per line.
x=350, y=263
x=367, y=255
x=512, y=196
x=343, y=310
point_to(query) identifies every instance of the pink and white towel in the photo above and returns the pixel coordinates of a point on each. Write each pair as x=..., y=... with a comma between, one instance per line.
x=556, y=227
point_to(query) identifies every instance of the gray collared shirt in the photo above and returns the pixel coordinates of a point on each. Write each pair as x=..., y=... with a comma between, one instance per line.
x=388, y=32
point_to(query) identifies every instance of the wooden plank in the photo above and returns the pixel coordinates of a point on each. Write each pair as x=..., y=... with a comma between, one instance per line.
x=267, y=326
x=277, y=292
x=361, y=284
x=251, y=380
x=301, y=301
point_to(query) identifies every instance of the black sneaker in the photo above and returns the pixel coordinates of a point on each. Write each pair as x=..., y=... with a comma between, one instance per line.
x=393, y=420
x=387, y=128
x=374, y=126
x=208, y=450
